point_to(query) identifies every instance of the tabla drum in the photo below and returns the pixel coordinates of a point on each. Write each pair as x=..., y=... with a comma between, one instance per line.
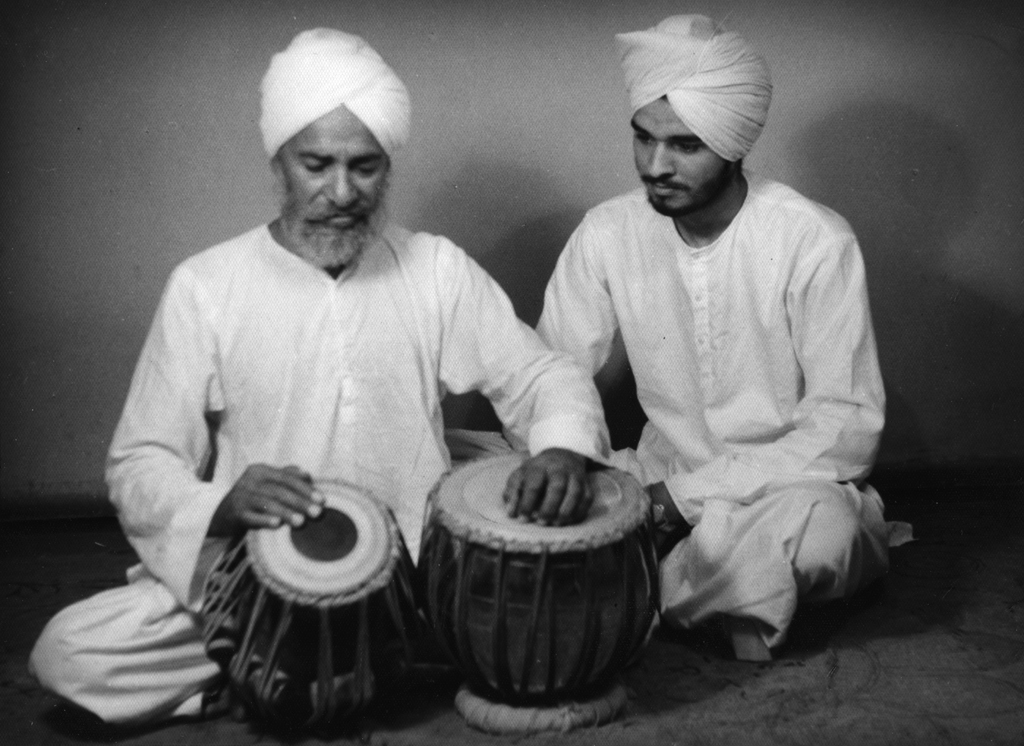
x=308, y=623
x=535, y=615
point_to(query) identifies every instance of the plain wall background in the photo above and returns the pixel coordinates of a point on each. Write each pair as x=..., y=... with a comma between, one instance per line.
x=130, y=141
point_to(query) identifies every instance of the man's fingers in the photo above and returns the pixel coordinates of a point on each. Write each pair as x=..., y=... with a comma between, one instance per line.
x=303, y=475
x=294, y=480
x=293, y=488
x=255, y=519
x=532, y=492
x=511, y=494
x=575, y=504
x=304, y=485
x=583, y=509
x=281, y=503
x=550, y=488
x=557, y=485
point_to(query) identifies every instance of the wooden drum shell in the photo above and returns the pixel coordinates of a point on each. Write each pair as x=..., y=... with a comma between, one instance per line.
x=536, y=622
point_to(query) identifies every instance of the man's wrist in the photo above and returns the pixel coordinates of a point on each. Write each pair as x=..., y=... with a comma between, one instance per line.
x=663, y=507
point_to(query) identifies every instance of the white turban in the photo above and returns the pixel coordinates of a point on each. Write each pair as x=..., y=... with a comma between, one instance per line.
x=319, y=71
x=716, y=84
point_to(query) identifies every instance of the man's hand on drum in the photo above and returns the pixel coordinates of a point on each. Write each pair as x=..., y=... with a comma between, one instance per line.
x=267, y=497
x=550, y=488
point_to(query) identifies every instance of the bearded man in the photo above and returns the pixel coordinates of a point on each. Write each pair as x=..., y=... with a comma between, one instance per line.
x=322, y=345
x=743, y=310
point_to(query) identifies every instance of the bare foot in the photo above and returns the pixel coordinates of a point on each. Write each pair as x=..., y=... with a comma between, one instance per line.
x=745, y=635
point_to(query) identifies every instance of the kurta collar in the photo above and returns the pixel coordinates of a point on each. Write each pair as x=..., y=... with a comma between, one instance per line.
x=284, y=260
x=699, y=252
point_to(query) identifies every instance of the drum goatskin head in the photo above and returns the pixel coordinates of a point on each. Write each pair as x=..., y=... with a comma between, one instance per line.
x=470, y=501
x=335, y=555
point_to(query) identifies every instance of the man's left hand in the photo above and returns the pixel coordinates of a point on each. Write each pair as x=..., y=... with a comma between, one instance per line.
x=550, y=488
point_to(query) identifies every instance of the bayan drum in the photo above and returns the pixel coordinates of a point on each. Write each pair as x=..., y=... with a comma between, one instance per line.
x=538, y=615
x=308, y=622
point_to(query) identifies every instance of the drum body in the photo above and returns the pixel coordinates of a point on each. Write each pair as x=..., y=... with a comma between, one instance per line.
x=536, y=614
x=308, y=623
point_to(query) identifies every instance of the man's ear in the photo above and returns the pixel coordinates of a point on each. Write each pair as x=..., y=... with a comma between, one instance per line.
x=277, y=169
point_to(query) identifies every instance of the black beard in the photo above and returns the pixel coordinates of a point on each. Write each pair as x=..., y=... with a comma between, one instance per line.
x=710, y=193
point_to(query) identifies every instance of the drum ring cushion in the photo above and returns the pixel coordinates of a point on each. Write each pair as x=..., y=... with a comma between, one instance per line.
x=498, y=718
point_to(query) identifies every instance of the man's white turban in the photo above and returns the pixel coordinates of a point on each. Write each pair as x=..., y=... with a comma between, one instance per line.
x=716, y=84
x=322, y=69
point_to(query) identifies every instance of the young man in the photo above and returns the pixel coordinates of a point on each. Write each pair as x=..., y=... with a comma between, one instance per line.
x=323, y=344
x=744, y=314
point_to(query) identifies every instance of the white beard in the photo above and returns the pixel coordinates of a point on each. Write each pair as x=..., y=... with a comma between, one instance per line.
x=341, y=248
x=328, y=248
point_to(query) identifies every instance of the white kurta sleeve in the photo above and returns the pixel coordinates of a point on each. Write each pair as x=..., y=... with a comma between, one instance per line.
x=838, y=420
x=162, y=439
x=541, y=396
x=578, y=314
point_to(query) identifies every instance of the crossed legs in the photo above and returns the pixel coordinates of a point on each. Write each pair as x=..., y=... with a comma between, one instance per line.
x=129, y=655
x=750, y=564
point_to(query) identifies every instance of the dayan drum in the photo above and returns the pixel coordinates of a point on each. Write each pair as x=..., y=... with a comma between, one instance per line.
x=309, y=622
x=536, y=614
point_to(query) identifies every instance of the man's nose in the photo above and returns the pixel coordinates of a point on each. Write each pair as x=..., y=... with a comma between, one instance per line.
x=658, y=162
x=340, y=188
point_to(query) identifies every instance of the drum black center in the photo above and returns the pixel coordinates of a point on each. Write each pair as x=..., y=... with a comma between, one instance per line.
x=326, y=538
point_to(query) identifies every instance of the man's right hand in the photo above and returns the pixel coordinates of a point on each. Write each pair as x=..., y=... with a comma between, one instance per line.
x=266, y=497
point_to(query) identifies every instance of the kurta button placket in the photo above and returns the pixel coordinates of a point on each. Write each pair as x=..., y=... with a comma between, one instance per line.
x=340, y=352
x=693, y=268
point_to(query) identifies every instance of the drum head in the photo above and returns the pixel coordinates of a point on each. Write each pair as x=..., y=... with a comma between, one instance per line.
x=469, y=503
x=337, y=558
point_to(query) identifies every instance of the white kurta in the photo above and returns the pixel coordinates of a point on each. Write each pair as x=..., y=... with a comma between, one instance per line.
x=343, y=378
x=754, y=360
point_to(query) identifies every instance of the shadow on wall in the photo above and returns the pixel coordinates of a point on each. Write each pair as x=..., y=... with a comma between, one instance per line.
x=952, y=360
x=515, y=223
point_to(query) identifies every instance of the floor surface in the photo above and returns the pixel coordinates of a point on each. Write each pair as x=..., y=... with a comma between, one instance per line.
x=932, y=654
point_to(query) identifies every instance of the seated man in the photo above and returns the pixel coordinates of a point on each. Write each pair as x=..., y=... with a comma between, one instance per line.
x=323, y=343
x=743, y=311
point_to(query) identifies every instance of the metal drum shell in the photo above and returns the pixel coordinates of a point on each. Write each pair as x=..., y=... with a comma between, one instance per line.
x=297, y=659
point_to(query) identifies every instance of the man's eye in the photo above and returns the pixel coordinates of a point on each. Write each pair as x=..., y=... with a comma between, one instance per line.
x=642, y=137
x=688, y=147
x=368, y=168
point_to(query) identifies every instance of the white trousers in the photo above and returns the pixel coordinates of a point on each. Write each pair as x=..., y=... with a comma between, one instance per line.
x=134, y=654
x=812, y=541
x=131, y=654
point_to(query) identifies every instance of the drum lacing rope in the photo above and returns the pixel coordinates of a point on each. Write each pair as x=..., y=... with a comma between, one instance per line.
x=241, y=663
x=220, y=593
x=394, y=608
x=541, y=586
x=323, y=710
x=268, y=677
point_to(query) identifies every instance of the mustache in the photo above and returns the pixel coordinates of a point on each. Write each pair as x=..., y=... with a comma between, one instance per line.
x=662, y=181
x=359, y=214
